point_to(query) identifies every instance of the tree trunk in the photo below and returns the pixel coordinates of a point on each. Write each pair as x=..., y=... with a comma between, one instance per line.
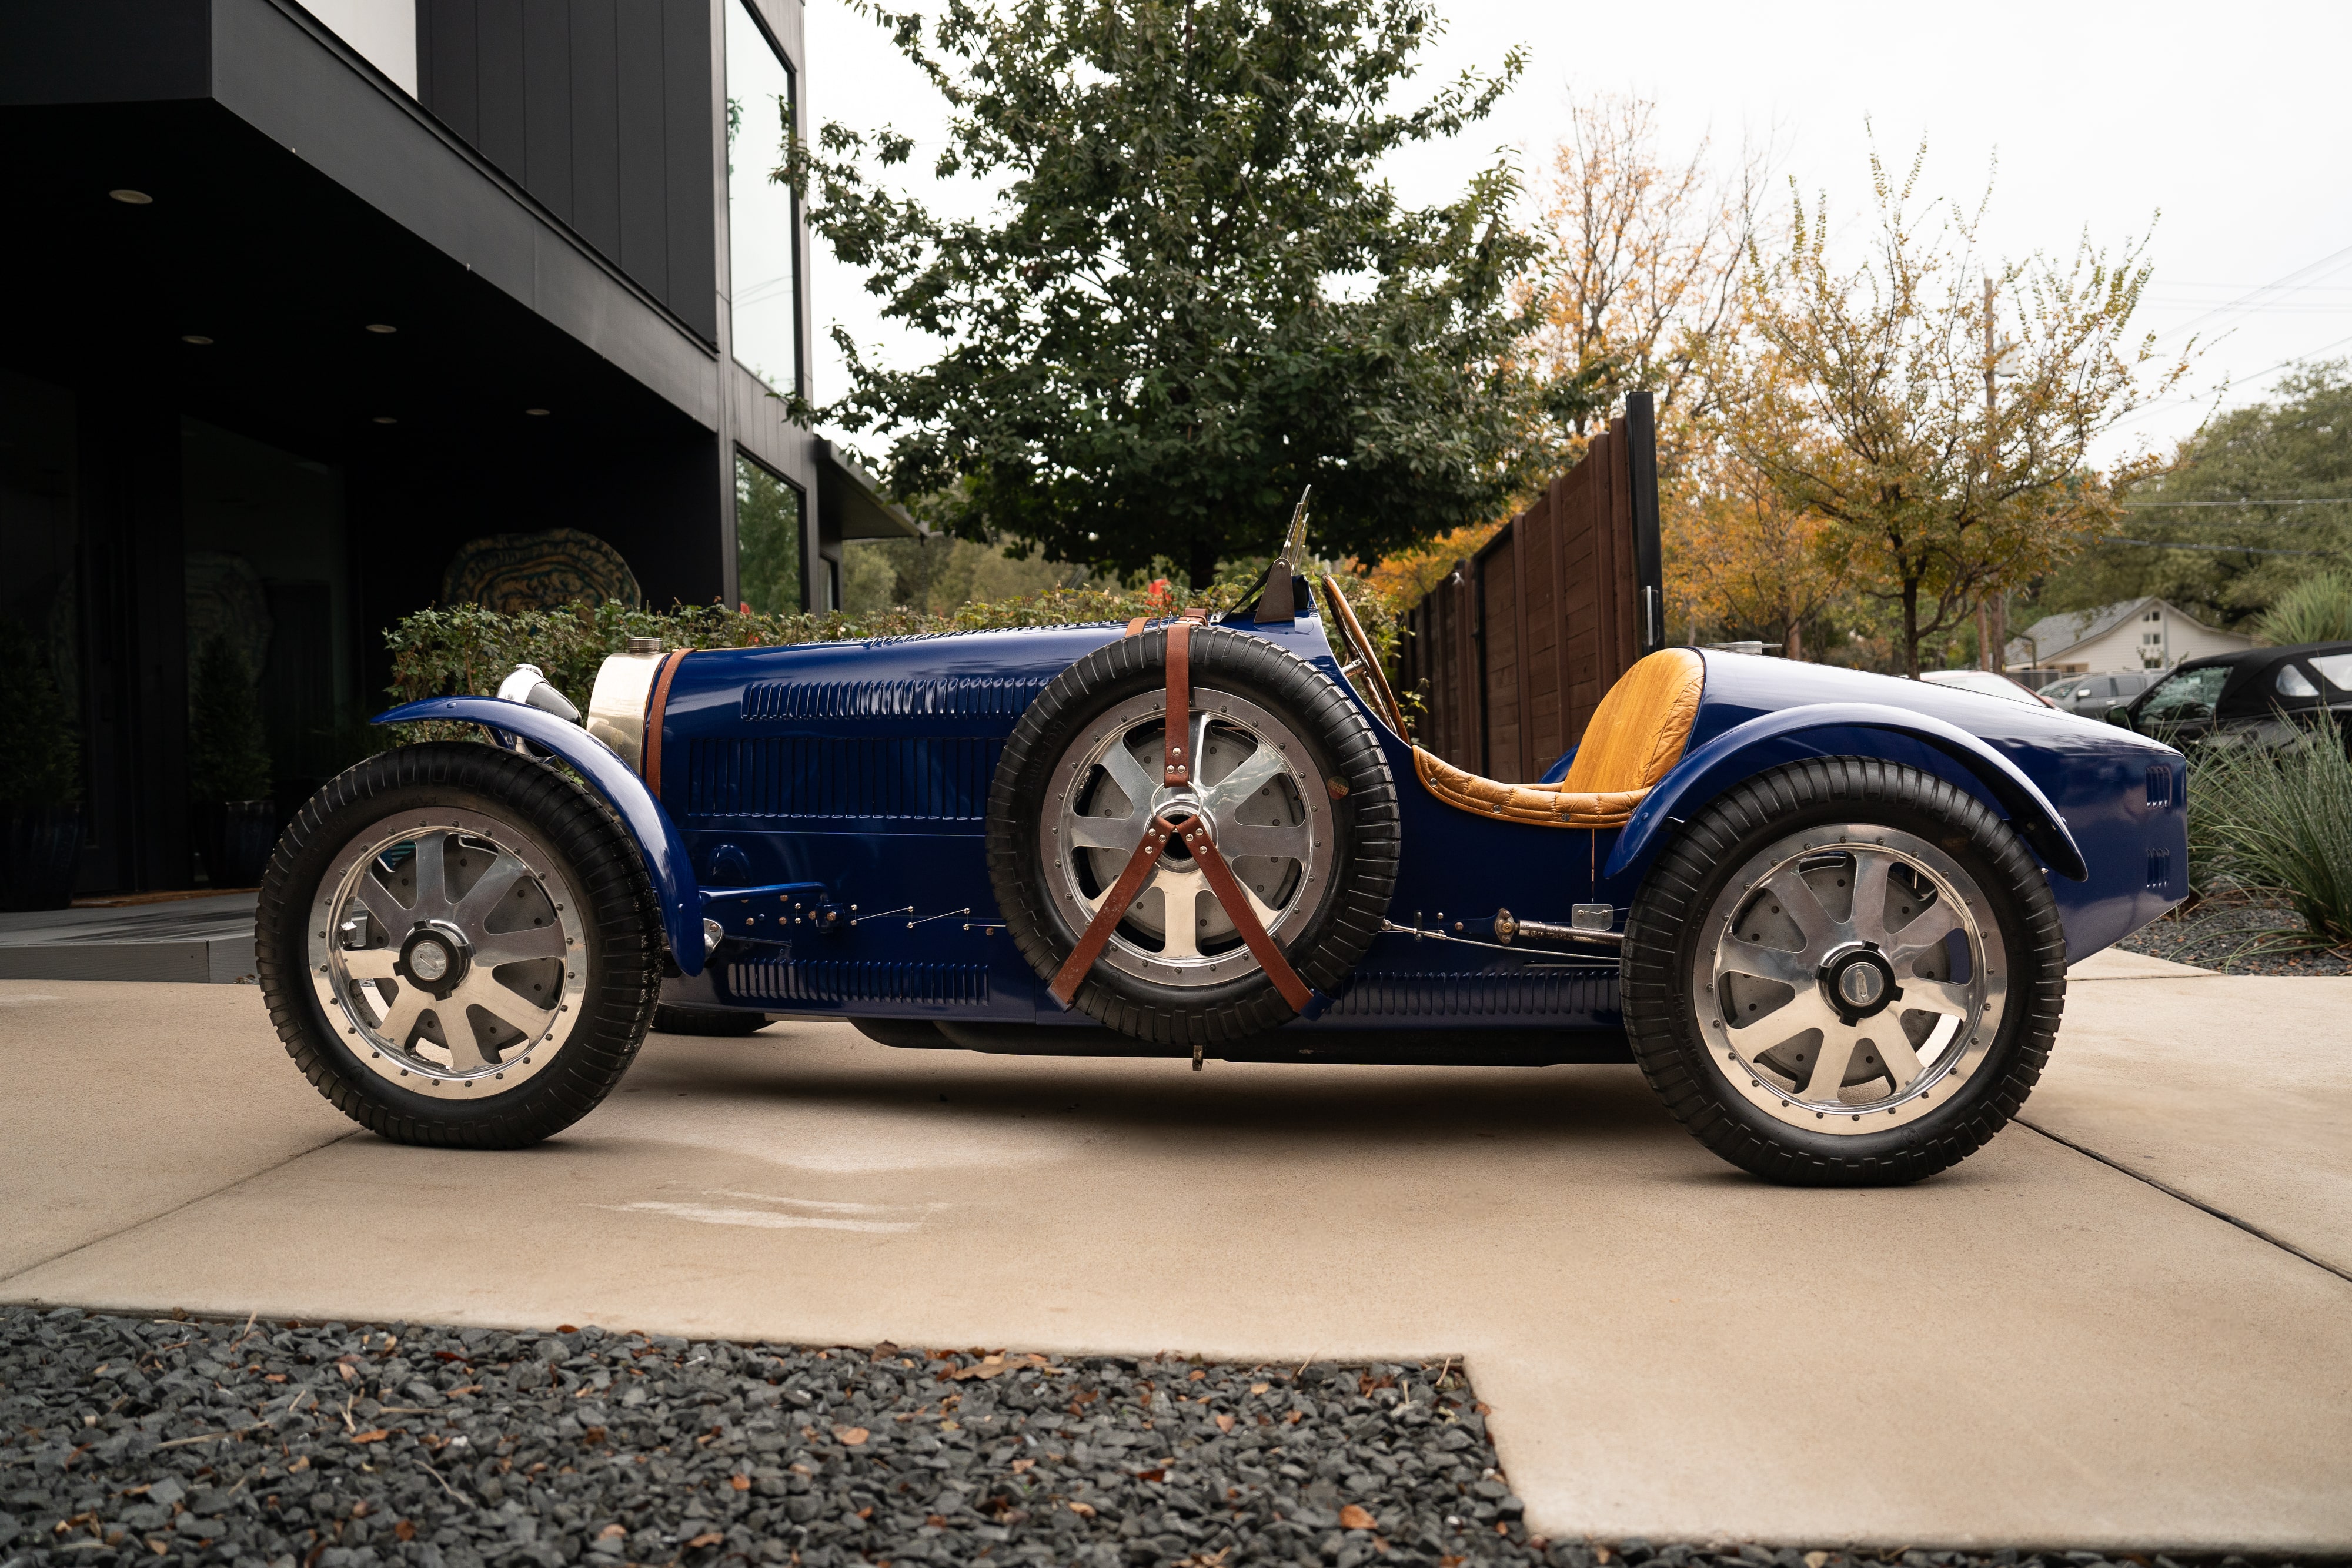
x=1999, y=618
x=1202, y=564
x=1792, y=641
x=1911, y=627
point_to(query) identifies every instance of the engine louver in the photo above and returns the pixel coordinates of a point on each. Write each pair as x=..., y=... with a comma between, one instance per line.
x=978, y=696
x=804, y=777
x=849, y=980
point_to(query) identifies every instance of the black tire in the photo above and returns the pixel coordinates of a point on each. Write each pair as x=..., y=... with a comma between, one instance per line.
x=1364, y=830
x=668, y=1019
x=1667, y=929
x=619, y=967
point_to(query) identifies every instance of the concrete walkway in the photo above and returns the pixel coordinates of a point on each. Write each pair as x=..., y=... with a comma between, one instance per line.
x=2041, y=1348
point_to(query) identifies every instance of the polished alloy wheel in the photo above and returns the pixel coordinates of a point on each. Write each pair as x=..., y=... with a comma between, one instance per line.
x=446, y=948
x=1255, y=789
x=1848, y=978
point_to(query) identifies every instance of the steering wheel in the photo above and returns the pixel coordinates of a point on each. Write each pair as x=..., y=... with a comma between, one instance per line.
x=1362, y=661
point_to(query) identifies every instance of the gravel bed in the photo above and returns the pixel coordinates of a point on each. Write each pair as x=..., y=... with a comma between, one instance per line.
x=2227, y=931
x=334, y=1446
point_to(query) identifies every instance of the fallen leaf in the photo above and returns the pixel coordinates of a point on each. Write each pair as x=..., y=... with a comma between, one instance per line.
x=348, y=1375
x=613, y=1532
x=1083, y=1510
x=299, y=1466
x=376, y=1436
x=740, y=1484
x=1502, y=1528
x=1195, y=1375
x=1151, y=1475
x=405, y=1530
x=1224, y=1423
x=566, y=1328
x=1353, y=1517
x=936, y=1521
x=865, y=1513
x=1294, y=1417
x=1260, y=1387
x=1021, y=1465
x=851, y=1437
x=273, y=1378
x=468, y=1388
x=708, y=1538
x=1600, y=1555
x=593, y=1436
x=1815, y=1559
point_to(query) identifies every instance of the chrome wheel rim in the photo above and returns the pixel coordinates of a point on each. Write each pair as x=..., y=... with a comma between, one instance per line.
x=1849, y=978
x=1257, y=790
x=448, y=948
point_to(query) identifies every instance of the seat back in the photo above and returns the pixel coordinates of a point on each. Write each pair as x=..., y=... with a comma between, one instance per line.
x=1638, y=732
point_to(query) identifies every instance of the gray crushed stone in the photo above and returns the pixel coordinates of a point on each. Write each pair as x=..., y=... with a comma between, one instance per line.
x=288, y=1444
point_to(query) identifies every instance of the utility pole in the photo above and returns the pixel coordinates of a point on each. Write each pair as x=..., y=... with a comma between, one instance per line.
x=1992, y=619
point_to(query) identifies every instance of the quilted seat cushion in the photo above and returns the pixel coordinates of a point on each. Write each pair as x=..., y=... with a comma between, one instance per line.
x=1637, y=736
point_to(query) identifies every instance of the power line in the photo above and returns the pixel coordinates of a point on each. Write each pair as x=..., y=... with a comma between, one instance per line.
x=2328, y=262
x=2252, y=501
x=2230, y=550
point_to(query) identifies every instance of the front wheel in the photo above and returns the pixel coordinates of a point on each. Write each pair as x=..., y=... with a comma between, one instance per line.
x=1845, y=973
x=459, y=946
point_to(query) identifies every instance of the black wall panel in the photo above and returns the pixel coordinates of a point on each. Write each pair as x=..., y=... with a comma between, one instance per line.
x=602, y=110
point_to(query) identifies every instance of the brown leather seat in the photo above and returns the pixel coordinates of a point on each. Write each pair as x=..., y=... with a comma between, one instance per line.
x=1636, y=736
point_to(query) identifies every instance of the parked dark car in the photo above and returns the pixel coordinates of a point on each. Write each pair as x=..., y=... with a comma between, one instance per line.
x=2094, y=694
x=2254, y=696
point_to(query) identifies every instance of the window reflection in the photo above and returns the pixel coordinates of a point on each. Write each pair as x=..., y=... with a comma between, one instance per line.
x=768, y=519
x=764, y=283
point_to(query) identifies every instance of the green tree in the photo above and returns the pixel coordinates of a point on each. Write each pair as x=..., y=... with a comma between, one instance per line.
x=767, y=540
x=228, y=757
x=40, y=746
x=1195, y=294
x=2215, y=534
x=1950, y=464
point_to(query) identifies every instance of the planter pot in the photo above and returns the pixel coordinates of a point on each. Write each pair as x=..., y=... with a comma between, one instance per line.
x=40, y=848
x=235, y=838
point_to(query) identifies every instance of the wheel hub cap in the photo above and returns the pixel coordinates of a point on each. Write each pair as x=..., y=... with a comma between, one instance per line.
x=436, y=956
x=1859, y=983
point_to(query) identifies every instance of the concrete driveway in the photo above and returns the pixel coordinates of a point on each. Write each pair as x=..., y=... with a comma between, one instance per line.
x=2138, y=1336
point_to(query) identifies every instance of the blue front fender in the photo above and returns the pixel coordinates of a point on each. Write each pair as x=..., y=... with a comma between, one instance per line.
x=663, y=851
x=1726, y=760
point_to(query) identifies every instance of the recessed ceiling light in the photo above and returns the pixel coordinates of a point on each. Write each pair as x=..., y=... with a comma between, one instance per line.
x=196, y=338
x=385, y=419
x=129, y=198
x=536, y=412
x=385, y=327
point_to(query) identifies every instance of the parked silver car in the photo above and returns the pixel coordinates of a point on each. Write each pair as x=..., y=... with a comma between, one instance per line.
x=2094, y=694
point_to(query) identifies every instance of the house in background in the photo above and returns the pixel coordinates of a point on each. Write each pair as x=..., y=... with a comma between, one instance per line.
x=319, y=313
x=2136, y=634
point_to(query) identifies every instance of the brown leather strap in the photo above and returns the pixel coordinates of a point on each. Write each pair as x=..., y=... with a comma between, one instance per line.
x=1139, y=867
x=1176, y=764
x=1198, y=838
x=655, y=706
x=1201, y=840
x=1135, y=627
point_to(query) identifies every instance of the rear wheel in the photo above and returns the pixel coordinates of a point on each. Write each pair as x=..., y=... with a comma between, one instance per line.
x=1845, y=973
x=459, y=947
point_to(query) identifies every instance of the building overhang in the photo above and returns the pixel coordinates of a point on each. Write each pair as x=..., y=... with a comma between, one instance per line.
x=298, y=196
x=851, y=503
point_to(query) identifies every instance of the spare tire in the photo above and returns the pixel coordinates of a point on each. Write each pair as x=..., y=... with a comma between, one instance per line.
x=1295, y=790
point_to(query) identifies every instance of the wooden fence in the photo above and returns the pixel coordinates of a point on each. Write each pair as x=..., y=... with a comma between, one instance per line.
x=1513, y=651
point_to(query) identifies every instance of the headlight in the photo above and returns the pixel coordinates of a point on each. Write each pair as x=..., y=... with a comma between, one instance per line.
x=617, y=709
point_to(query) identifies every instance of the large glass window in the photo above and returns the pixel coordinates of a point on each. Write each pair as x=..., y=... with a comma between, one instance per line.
x=760, y=212
x=768, y=520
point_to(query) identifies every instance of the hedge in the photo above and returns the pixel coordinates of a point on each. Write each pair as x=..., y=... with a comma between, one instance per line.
x=468, y=651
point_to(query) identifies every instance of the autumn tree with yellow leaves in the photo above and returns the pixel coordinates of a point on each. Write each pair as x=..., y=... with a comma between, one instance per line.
x=1857, y=393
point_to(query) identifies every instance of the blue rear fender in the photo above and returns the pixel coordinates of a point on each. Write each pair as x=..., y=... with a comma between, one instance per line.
x=1752, y=747
x=658, y=841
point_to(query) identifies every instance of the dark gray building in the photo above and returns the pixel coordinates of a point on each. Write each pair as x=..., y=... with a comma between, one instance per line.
x=306, y=301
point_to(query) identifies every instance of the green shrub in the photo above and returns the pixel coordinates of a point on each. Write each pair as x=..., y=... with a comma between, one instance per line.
x=2316, y=610
x=2279, y=822
x=228, y=756
x=467, y=650
x=40, y=747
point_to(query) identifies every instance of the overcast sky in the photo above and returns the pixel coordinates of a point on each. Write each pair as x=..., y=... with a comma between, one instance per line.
x=2229, y=120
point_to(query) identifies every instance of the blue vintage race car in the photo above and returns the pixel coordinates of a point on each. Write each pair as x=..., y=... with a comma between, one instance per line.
x=1828, y=913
